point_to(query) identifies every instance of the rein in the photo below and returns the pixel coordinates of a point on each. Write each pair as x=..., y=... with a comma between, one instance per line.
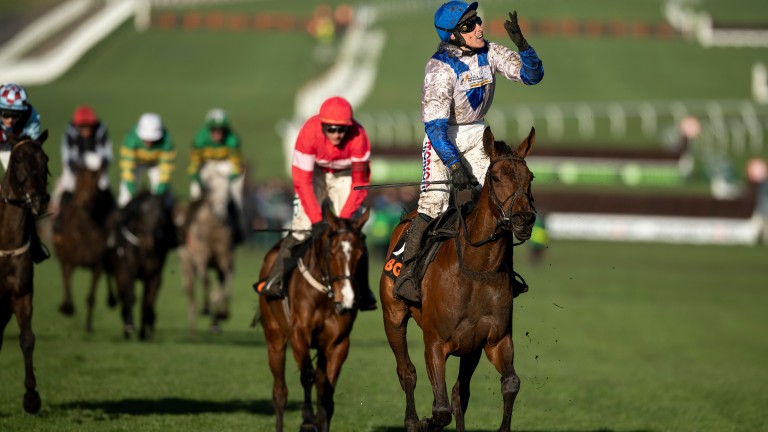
x=502, y=228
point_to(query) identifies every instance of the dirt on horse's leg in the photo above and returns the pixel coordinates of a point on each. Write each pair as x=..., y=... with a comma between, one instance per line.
x=67, y=307
x=23, y=310
x=91, y=299
x=151, y=288
x=503, y=356
x=460, y=397
x=441, y=410
x=396, y=318
x=276, y=345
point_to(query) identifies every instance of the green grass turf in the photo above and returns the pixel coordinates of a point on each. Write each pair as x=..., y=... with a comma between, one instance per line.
x=611, y=337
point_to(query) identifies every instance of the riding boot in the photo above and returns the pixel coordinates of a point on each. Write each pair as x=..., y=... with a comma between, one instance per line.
x=518, y=286
x=366, y=301
x=37, y=249
x=273, y=286
x=407, y=283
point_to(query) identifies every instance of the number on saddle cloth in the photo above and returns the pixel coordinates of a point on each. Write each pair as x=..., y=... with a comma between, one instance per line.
x=442, y=228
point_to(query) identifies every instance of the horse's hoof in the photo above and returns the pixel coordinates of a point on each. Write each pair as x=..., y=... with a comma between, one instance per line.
x=111, y=302
x=32, y=402
x=308, y=428
x=67, y=309
x=216, y=329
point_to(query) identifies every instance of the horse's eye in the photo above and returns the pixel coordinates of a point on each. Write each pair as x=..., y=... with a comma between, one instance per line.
x=494, y=177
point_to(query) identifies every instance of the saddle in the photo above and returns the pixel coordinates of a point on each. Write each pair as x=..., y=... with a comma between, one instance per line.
x=442, y=228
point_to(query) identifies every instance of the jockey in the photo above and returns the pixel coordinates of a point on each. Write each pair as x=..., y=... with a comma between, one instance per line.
x=19, y=118
x=147, y=147
x=85, y=134
x=457, y=92
x=216, y=151
x=331, y=158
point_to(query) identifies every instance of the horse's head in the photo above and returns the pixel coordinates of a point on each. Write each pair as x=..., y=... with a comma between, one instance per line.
x=149, y=222
x=26, y=180
x=508, y=183
x=344, y=246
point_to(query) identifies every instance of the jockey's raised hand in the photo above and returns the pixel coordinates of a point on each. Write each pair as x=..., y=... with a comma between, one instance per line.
x=513, y=30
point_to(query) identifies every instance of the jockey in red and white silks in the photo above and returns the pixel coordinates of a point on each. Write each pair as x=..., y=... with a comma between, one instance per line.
x=323, y=169
x=457, y=93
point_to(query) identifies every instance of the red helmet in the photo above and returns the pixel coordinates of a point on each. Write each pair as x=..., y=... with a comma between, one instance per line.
x=336, y=111
x=84, y=116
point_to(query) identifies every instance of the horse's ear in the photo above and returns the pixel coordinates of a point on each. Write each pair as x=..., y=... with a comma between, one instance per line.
x=525, y=147
x=360, y=221
x=328, y=214
x=488, y=141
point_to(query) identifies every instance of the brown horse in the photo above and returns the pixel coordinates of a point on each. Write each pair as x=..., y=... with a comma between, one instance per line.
x=318, y=313
x=144, y=234
x=209, y=246
x=23, y=197
x=80, y=234
x=467, y=293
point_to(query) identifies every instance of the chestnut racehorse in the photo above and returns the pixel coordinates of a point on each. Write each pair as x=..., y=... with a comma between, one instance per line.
x=23, y=197
x=81, y=230
x=318, y=313
x=467, y=293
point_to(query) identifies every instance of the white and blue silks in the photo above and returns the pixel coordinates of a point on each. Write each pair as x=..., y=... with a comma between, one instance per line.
x=457, y=93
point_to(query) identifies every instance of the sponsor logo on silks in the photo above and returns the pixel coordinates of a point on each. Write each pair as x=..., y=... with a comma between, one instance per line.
x=426, y=165
x=394, y=264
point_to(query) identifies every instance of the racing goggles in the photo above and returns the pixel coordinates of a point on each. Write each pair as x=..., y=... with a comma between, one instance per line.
x=335, y=128
x=10, y=115
x=469, y=25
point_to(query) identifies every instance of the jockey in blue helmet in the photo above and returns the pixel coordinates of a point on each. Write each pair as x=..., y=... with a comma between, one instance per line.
x=459, y=83
x=19, y=118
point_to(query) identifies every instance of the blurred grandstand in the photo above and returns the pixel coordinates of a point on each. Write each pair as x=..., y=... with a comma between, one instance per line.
x=620, y=81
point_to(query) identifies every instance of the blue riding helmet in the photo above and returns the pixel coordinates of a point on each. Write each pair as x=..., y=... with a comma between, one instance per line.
x=448, y=15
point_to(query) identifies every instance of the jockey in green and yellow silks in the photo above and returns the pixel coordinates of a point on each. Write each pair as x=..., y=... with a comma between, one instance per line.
x=215, y=154
x=147, y=148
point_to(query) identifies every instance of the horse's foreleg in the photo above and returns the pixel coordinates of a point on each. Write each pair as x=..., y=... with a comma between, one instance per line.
x=126, y=289
x=151, y=289
x=188, y=277
x=5, y=315
x=67, y=307
x=300, y=346
x=441, y=409
x=277, y=341
x=327, y=377
x=91, y=299
x=396, y=318
x=23, y=310
x=460, y=396
x=502, y=356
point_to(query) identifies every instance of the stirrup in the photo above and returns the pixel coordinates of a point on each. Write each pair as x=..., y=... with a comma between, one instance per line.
x=518, y=286
x=269, y=288
x=39, y=253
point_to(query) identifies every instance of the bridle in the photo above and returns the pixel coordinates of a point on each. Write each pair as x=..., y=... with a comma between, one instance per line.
x=327, y=279
x=26, y=201
x=504, y=220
